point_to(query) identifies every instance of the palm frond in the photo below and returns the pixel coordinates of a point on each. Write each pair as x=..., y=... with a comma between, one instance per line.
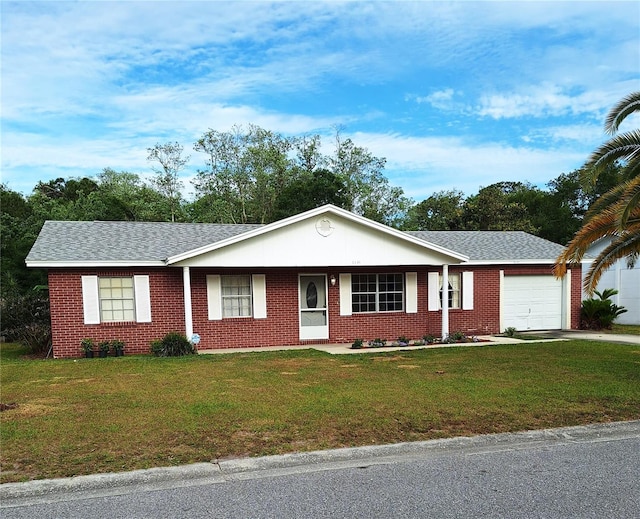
x=631, y=200
x=608, y=199
x=625, y=107
x=601, y=225
x=627, y=245
x=624, y=147
x=615, y=214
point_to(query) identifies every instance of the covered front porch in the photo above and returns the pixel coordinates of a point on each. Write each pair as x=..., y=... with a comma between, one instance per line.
x=325, y=276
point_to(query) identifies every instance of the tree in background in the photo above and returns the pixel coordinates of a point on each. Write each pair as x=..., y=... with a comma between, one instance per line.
x=495, y=208
x=308, y=191
x=124, y=196
x=442, y=211
x=308, y=157
x=245, y=172
x=616, y=214
x=368, y=192
x=252, y=173
x=19, y=230
x=167, y=182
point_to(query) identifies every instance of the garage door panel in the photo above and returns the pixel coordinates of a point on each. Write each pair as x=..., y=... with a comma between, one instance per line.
x=532, y=302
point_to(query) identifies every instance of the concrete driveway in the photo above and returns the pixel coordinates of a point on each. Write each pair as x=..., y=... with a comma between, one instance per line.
x=589, y=336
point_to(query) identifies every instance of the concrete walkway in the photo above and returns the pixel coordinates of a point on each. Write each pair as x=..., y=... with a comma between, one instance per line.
x=485, y=340
x=345, y=348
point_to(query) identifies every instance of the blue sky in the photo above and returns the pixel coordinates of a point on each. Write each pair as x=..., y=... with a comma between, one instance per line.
x=455, y=95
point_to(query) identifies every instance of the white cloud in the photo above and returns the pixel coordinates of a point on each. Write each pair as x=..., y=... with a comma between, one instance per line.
x=586, y=134
x=541, y=101
x=425, y=165
x=442, y=99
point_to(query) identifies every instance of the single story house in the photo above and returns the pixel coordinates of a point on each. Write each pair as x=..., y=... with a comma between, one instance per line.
x=323, y=276
x=619, y=277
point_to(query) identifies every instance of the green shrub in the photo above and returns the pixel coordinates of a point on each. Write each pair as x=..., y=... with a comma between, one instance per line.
x=87, y=345
x=429, y=339
x=357, y=344
x=26, y=320
x=156, y=347
x=599, y=313
x=117, y=345
x=456, y=337
x=510, y=331
x=173, y=344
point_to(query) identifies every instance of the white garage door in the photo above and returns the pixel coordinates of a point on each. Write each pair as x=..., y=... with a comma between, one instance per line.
x=532, y=303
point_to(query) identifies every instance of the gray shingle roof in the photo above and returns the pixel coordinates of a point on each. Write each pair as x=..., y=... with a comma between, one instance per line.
x=131, y=242
x=494, y=246
x=126, y=241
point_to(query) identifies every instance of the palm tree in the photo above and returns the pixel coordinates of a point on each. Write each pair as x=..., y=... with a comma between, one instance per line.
x=616, y=214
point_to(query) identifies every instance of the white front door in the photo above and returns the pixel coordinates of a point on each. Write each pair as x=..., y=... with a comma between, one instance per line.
x=314, y=318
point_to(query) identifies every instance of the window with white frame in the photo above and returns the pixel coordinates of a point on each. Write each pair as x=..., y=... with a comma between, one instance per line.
x=377, y=293
x=117, y=299
x=236, y=296
x=454, y=290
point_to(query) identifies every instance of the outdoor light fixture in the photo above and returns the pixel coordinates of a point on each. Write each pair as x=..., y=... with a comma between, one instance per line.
x=333, y=280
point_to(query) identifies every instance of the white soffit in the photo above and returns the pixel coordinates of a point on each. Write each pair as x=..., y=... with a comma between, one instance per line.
x=326, y=236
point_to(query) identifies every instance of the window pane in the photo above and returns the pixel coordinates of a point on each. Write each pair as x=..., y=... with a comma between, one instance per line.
x=363, y=302
x=236, y=296
x=117, y=299
x=377, y=292
x=454, y=289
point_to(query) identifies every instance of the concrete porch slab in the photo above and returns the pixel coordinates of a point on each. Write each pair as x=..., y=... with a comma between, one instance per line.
x=345, y=348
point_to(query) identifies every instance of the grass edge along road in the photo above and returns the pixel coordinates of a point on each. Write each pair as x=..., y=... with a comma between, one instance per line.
x=107, y=415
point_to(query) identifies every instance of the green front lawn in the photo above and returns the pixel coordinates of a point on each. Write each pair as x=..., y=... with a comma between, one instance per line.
x=629, y=329
x=100, y=415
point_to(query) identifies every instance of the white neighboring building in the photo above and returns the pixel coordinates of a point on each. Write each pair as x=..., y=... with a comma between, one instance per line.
x=625, y=280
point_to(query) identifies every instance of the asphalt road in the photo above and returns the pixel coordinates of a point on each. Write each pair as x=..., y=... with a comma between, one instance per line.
x=577, y=472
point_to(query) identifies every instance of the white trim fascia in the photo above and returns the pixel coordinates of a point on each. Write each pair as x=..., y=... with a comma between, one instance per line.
x=325, y=209
x=105, y=264
x=509, y=262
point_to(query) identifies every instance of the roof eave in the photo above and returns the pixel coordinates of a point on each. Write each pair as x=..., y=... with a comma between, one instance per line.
x=512, y=262
x=82, y=264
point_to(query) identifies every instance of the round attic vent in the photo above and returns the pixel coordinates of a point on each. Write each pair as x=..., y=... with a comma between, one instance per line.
x=324, y=227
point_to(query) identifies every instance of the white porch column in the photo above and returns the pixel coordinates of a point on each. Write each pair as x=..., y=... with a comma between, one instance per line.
x=188, y=317
x=444, y=304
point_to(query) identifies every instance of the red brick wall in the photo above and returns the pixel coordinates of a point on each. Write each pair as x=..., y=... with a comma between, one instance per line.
x=281, y=326
x=576, y=296
x=67, y=318
x=485, y=317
